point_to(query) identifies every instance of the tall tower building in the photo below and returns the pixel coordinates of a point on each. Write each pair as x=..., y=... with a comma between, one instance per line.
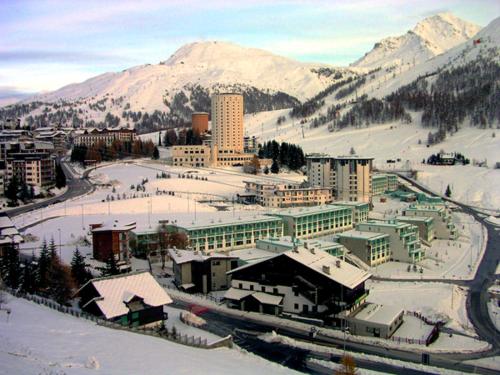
x=227, y=123
x=349, y=177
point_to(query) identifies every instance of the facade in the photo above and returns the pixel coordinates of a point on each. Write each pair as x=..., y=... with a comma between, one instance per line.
x=228, y=234
x=250, y=144
x=198, y=273
x=360, y=210
x=444, y=228
x=111, y=239
x=282, y=244
x=424, y=224
x=134, y=299
x=56, y=137
x=191, y=156
x=375, y=320
x=308, y=282
x=105, y=136
x=382, y=183
x=199, y=122
x=349, y=177
x=31, y=164
x=227, y=123
x=403, y=237
x=371, y=248
x=287, y=195
x=231, y=159
x=310, y=222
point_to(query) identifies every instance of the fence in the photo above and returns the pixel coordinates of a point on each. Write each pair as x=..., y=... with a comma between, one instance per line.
x=430, y=337
x=208, y=297
x=162, y=332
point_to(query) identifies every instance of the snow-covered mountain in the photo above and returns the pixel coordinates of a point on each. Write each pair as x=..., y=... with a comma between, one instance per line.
x=205, y=64
x=430, y=37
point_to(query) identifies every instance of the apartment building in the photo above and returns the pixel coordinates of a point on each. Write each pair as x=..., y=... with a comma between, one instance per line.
x=360, y=210
x=191, y=156
x=444, y=228
x=57, y=137
x=277, y=195
x=111, y=238
x=310, y=222
x=227, y=123
x=349, y=177
x=371, y=247
x=404, y=239
x=285, y=243
x=382, y=183
x=425, y=225
x=92, y=137
x=227, y=234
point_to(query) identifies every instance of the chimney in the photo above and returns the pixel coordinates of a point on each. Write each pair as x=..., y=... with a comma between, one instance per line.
x=326, y=269
x=337, y=263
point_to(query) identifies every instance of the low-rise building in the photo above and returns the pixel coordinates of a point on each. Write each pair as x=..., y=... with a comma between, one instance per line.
x=444, y=228
x=375, y=320
x=227, y=234
x=276, y=195
x=93, y=137
x=308, y=282
x=195, y=272
x=285, y=243
x=360, y=210
x=424, y=224
x=191, y=156
x=134, y=299
x=404, y=239
x=9, y=235
x=371, y=248
x=309, y=222
x=383, y=183
x=111, y=239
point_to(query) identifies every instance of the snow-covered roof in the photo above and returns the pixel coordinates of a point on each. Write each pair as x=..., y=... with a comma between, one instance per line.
x=237, y=294
x=113, y=225
x=185, y=256
x=303, y=211
x=115, y=291
x=323, y=263
x=379, y=314
x=362, y=235
x=222, y=221
x=267, y=299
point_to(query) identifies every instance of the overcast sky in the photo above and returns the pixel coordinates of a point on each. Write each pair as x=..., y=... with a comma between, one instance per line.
x=45, y=44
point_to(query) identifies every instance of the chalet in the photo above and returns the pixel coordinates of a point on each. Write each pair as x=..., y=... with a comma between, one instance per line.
x=199, y=273
x=9, y=235
x=135, y=299
x=307, y=282
x=111, y=238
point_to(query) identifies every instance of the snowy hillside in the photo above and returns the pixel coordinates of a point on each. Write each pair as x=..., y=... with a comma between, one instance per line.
x=430, y=37
x=206, y=64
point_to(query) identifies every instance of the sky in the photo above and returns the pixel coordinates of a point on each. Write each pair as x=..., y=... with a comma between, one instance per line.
x=46, y=44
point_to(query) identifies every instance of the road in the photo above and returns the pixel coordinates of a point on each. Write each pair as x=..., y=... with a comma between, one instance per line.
x=76, y=188
x=477, y=298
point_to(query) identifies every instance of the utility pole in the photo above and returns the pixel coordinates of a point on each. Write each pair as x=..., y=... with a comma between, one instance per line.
x=83, y=219
x=60, y=245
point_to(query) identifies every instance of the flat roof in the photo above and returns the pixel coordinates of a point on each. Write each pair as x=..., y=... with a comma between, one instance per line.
x=362, y=235
x=114, y=225
x=303, y=211
x=415, y=218
x=212, y=223
x=326, y=156
x=186, y=256
x=380, y=314
x=347, y=203
x=287, y=241
x=380, y=223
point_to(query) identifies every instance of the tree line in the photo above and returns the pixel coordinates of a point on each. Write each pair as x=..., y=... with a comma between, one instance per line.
x=117, y=150
x=284, y=154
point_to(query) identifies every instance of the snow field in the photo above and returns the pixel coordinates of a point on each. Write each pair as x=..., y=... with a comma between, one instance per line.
x=39, y=340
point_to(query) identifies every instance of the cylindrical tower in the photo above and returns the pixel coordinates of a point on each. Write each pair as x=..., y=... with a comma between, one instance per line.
x=227, y=122
x=199, y=122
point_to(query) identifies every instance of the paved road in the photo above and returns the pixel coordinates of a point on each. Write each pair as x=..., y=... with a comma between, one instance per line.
x=76, y=187
x=477, y=298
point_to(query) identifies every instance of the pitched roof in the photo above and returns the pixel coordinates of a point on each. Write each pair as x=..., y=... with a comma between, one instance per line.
x=185, y=256
x=116, y=291
x=323, y=263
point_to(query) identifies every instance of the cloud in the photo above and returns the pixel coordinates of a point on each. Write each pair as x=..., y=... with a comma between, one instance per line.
x=51, y=56
x=12, y=92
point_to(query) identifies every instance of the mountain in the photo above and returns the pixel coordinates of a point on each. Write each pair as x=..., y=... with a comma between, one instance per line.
x=430, y=37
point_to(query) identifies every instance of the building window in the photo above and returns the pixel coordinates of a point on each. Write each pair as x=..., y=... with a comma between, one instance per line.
x=251, y=287
x=296, y=306
x=240, y=285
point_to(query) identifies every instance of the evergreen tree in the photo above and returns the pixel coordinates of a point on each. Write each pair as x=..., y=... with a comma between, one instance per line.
x=29, y=281
x=24, y=193
x=448, y=191
x=10, y=270
x=60, y=177
x=61, y=284
x=78, y=269
x=156, y=154
x=159, y=139
x=43, y=266
x=12, y=190
x=52, y=248
x=111, y=267
x=275, y=168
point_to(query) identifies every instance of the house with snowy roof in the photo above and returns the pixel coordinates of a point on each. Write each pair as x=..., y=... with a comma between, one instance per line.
x=135, y=299
x=9, y=235
x=307, y=282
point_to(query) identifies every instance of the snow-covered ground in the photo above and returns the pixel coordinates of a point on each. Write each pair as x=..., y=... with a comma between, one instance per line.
x=470, y=184
x=436, y=301
x=493, y=305
x=37, y=340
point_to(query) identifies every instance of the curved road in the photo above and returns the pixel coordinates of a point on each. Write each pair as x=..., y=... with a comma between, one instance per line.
x=76, y=187
x=477, y=298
